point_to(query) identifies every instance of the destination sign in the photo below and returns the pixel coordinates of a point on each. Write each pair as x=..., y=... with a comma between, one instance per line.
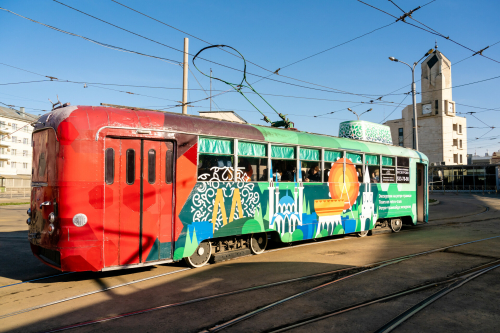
x=388, y=175
x=403, y=175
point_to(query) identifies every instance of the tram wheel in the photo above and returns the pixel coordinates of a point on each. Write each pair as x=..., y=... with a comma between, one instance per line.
x=201, y=256
x=396, y=225
x=258, y=243
x=363, y=233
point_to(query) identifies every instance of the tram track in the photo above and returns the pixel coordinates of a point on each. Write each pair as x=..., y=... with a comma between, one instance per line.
x=343, y=274
x=454, y=282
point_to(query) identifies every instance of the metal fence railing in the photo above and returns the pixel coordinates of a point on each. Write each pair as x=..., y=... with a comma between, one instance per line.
x=15, y=192
x=483, y=189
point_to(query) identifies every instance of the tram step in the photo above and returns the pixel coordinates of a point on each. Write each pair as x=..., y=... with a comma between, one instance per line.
x=230, y=254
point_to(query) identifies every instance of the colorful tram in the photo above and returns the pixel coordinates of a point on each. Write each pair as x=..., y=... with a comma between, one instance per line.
x=118, y=187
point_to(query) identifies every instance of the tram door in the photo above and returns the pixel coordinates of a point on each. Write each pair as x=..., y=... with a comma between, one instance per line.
x=138, y=222
x=420, y=192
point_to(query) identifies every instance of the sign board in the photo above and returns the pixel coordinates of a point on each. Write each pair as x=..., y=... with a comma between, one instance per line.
x=388, y=175
x=403, y=172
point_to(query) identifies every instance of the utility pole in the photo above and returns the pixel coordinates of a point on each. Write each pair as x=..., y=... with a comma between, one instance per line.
x=185, y=77
x=210, y=89
x=414, y=93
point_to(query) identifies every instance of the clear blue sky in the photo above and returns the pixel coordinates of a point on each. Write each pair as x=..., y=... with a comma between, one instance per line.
x=271, y=34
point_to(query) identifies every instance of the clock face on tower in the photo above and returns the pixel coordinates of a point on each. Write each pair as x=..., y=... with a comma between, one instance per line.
x=427, y=109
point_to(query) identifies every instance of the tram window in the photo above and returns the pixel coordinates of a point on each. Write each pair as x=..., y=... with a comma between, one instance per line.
x=169, y=166
x=388, y=169
x=374, y=171
x=215, y=167
x=252, y=169
x=109, y=166
x=151, y=166
x=130, y=172
x=311, y=171
x=284, y=170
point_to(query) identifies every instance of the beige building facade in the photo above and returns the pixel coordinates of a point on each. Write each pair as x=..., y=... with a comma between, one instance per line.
x=442, y=135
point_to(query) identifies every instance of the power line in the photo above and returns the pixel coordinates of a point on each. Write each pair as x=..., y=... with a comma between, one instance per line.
x=394, y=109
x=152, y=40
x=117, y=48
x=434, y=32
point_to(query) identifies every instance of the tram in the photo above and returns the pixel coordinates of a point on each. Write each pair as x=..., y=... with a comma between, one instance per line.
x=118, y=187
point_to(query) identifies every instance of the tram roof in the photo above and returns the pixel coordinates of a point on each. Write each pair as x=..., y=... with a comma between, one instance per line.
x=133, y=118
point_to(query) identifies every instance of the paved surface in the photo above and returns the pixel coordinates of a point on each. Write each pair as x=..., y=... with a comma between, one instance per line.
x=475, y=307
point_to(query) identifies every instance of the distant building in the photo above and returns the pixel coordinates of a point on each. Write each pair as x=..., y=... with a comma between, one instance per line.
x=223, y=115
x=15, y=147
x=442, y=135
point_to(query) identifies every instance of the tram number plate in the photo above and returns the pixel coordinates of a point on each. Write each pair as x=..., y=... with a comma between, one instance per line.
x=403, y=175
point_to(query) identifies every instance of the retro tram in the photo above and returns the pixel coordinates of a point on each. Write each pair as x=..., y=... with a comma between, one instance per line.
x=117, y=187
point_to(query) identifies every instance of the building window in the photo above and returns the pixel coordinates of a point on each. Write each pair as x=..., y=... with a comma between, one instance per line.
x=26, y=129
x=25, y=153
x=14, y=151
x=454, y=127
x=14, y=126
x=2, y=150
x=25, y=141
x=25, y=165
x=401, y=137
x=14, y=139
x=13, y=165
x=455, y=142
x=436, y=106
x=460, y=148
x=455, y=158
x=461, y=156
x=460, y=129
x=1, y=164
x=2, y=124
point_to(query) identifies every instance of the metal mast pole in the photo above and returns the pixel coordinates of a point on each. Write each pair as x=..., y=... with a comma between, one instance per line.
x=210, y=89
x=185, y=76
x=414, y=93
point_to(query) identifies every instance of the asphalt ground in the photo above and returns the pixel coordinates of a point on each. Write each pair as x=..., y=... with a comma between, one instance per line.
x=474, y=307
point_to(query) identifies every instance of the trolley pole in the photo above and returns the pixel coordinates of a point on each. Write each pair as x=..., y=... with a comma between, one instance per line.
x=185, y=76
x=210, y=89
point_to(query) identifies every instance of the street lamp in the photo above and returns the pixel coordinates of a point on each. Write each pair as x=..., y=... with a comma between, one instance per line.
x=360, y=113
x=413, y=92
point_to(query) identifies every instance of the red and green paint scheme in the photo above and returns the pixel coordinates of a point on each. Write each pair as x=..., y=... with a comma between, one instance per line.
x=138, y=215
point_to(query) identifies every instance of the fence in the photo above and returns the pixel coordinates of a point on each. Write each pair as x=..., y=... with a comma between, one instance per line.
x=13, y=192
x=483, y=189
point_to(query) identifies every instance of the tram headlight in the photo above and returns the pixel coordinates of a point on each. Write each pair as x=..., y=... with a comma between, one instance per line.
x=52, y=217
x=51, y=229
x=28, y=211
x=80, y=220
x=28, y=221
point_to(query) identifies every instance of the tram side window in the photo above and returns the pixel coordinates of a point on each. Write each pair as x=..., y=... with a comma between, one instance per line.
x=373, y=163
x=311, y=171
x=215, y=167
x=130, y=172
x=330, y=158
x=169, y=167
x=109, y=166
x=356, y=160
x=151, y=166
x=252, y=169
x=284, y=170
x=388, y=169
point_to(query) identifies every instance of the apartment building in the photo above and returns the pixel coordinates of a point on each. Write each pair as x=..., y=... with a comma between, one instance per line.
x=15, y=147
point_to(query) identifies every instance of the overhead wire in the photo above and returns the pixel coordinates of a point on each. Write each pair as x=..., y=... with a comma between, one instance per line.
x=263, y=77
x=432, y=31
x=117, y=48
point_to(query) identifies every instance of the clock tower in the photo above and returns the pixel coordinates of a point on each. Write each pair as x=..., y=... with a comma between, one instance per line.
x=442, y=135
